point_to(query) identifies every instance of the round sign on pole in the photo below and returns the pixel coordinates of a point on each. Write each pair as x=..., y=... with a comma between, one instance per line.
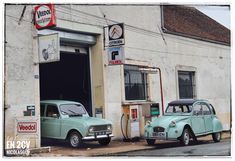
x=44, y=16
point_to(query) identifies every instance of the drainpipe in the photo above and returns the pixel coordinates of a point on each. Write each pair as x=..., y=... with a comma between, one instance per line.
x=161, y=90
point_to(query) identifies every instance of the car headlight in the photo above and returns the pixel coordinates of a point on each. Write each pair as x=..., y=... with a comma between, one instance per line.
x=148, y=123
x=91, y=130
x=172, y=124
x=109, y=128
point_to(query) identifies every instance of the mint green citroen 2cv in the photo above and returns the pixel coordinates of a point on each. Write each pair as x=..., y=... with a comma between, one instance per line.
x=70, y=121
x=184, y=119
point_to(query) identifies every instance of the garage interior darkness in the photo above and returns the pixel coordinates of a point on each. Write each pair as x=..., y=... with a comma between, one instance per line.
x=67, y=79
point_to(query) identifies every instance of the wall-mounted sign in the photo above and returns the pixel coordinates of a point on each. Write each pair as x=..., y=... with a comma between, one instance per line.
x=30, y=111
x=44, y=16
x=116, y=55
x=49, y=48
x=115, y=35
x=26, y=127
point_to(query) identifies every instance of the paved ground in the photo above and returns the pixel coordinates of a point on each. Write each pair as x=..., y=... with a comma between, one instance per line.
x=120, y=148
x=202, y=148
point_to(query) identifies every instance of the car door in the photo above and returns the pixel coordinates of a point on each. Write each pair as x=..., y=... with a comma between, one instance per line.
x=51, y=125
x=197, y=120
x=42, y=116
x=207, y=117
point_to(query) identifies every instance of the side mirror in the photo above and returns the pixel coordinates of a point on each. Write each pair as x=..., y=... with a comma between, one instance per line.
x=54, y=115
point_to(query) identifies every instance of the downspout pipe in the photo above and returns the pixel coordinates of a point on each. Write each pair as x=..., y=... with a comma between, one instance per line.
x=161, y=90
x=165, y=30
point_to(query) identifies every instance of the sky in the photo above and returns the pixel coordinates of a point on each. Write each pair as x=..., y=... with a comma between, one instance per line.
x=219, y=13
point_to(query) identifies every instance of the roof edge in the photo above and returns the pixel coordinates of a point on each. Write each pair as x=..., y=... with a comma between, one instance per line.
x=165, y=30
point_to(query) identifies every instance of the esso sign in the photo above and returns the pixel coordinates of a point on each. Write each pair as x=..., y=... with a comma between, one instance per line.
x=44, y=16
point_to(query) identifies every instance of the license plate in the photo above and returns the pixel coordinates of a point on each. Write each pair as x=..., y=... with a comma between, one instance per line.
x=159, y=135
x=101, y=133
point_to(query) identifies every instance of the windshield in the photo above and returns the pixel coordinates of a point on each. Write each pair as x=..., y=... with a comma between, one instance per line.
x=72, y=109
x=178, y=109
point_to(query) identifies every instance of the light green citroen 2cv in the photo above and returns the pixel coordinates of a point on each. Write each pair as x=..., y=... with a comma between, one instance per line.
x=183, y=120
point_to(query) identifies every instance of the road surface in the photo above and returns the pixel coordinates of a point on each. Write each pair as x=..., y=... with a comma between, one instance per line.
x=201, y=148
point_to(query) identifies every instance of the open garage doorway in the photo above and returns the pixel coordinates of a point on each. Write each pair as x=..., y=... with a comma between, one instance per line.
x=67, y=79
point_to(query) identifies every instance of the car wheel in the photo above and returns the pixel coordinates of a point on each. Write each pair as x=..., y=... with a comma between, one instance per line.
x=75, y=139
x=185, y=137
x=150, y=141
x=105, y=141
x=216, y=136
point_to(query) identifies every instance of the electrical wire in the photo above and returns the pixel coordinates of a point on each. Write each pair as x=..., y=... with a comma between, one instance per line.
x=173, y=53
x=129, y=27
x=16, y=19
x=136, y=48
x=101, y=26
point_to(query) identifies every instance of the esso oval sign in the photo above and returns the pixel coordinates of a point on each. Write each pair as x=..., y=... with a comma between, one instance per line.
x=44, y=16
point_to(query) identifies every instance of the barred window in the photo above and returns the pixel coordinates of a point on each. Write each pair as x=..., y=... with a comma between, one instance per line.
x=135, y=83
x=187, y=85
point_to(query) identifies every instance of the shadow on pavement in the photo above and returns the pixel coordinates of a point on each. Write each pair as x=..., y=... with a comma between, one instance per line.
x=59, y=144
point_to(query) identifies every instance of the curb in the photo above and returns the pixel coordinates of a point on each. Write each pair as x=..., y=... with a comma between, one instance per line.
x=40, y=150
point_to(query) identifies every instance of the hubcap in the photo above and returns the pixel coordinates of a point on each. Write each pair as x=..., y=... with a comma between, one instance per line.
x=74, y=140
x=186, y=138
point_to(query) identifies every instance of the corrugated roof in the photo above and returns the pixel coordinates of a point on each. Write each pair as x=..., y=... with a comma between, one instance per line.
x=190, y=22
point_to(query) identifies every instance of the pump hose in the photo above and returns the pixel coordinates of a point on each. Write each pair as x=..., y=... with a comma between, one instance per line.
x=122, y=127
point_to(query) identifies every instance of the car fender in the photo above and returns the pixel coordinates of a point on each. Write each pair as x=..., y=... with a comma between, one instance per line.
x=176, y=132
x=217, y=125
x=67, y=127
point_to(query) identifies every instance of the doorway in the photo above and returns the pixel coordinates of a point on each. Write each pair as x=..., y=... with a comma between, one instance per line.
x=67, y=79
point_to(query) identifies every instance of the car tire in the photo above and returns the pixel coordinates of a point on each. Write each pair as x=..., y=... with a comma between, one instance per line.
x=105, y=141
x=150, y=141
x=216, y=136
x=75, y=139
x=185, y=137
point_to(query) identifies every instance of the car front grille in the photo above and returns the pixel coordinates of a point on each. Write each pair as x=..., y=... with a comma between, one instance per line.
x=158, y=129
x=100, y=128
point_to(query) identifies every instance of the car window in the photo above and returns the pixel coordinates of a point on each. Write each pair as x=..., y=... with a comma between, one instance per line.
x=52, y=109
x=42, y=109
x=72, y=109
x=178, y=109
x=205, y=109
x=197, y=109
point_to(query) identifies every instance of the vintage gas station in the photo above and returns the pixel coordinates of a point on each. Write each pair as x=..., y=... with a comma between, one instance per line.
x=120, y=68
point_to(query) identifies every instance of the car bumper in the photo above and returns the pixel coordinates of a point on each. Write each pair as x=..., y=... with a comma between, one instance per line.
x=97, y=137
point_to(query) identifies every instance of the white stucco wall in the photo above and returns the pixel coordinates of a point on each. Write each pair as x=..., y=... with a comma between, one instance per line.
x=21, y=88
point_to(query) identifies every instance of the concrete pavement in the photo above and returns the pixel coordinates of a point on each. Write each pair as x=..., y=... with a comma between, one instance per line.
x=90, y=149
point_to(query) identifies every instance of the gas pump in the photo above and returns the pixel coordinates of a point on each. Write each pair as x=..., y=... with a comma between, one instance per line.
x=130, y=122
x=134, y=122
x=154, y=110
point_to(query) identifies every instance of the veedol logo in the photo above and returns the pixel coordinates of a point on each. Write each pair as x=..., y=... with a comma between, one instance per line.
x=43, y=16
x=27, y=127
